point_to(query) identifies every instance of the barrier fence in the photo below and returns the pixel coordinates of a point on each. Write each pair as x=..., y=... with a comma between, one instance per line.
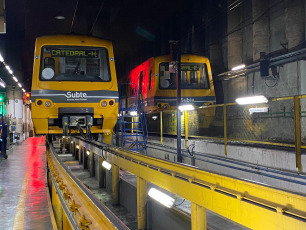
x=280, y=122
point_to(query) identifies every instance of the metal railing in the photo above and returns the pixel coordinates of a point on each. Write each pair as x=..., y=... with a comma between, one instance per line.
x=284, y=124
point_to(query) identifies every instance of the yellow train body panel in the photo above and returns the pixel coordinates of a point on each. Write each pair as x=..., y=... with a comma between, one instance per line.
x=74, y=76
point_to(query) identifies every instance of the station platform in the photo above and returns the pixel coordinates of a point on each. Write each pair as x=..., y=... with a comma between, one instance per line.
x=24, y=198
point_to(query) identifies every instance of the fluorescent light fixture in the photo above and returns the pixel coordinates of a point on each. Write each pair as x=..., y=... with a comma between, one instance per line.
x=7, y=67
x=186, y=107
x=19, y=85
x=1, y=58
x=106, y=165
x=259, y=110
x=238, y=67
x=15, y=79
x=71, y=142
x=59, y=17
x=154, y=117
x=133, y=113
x=251, y=100
x=161, y=197
x=2, y=84
x=23, y=90
x=87, y=152
x=10, y=71
x=77, y=146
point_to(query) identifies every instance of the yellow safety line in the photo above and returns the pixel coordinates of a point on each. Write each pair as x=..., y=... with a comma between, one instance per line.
x=19, y=215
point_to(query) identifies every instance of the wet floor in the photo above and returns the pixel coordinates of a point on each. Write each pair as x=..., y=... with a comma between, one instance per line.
x=23, y=194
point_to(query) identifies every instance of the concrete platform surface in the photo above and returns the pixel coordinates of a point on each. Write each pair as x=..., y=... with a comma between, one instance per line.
x=23, y=189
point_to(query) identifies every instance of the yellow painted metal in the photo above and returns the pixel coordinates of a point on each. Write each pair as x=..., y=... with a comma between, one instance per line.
x=252, y=205
x=57, y=208
x=132, y=124
x=141, y=203
x=225, y=130
x=115, y=184
x=79, y=203
x=297, y=129
x=161, y=126
x=186, y=128
x=198, y=217
x=66, y=223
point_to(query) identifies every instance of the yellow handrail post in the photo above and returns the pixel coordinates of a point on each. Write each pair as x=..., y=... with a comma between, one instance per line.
x=115, y=184
x=132, y=125
x=186, y=128
x=161, y=126
x=297, y=128
x=225, y=129
x=198, y=217
x=141, y=203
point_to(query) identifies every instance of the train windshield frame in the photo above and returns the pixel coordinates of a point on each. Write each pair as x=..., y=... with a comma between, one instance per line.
x=74, y=63
x=193, y=76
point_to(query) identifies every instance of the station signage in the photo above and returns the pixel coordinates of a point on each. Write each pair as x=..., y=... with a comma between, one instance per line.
x=189, y=68
x=74, y=53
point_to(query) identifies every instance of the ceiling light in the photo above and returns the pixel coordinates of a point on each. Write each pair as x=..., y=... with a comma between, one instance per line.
x=7, y=67
x=15, y=78
x=238, y=67
x=251, y=100
x=106, y=165
x=161, y=197
x=186, y=107
x=87, y=152
x=19, y=85
x=3, y=85
x=59, y=17
x=1, y=58
x=77, y=146
x=23, y=90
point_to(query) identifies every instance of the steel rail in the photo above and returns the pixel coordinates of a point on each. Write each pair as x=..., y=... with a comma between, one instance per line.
x=252, y=205
x=89, y=206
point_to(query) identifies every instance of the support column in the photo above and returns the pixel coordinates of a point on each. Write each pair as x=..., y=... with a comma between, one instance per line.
x=141, y=203
x=92, y=164
x=101, y=174
x=80, y=154
x=115, y=184
x=234, y=37
x=198, y=217
x=161, y=126
x=297, y=128
x=261, y=31
x=85, y=158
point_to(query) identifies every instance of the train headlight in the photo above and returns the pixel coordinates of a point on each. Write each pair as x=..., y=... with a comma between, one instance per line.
x=103, y=103
x=39, y=102
x=111, y=102
x=47, y=103
x=165, y=106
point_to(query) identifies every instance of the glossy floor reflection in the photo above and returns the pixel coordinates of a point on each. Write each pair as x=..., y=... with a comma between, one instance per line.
x=23, y=195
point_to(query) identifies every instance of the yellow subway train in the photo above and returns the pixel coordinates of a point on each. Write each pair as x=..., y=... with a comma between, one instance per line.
x=158, y=84
x=74, y=86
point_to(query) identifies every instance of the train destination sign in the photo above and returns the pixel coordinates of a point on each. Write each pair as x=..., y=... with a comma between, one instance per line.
x=74, y=53
x=189, y=67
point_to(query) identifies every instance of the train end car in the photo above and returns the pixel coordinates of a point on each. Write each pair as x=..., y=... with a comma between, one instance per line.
x=74, y=86
x=158, y=84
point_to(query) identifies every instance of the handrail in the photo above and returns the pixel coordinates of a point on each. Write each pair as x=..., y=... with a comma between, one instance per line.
x=253, y=205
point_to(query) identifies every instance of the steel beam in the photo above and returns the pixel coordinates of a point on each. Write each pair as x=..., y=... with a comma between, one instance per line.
x=115, y=184
x=141, y=203
x=198, y=217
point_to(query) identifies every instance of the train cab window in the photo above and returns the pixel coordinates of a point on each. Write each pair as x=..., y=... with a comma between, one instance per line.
x=193, y=76
x=75, y=64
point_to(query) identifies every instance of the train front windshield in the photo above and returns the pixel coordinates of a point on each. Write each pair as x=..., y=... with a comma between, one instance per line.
x=193, y=76
x=74, y=63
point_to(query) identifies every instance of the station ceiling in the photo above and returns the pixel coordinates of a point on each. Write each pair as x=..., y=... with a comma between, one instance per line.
x=127, y=23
